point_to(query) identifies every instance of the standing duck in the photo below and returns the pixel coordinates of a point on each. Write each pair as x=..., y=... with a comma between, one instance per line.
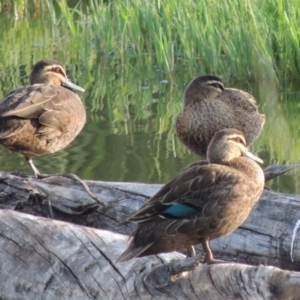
x=209, y=107
x=44, y=116
x=202, y=203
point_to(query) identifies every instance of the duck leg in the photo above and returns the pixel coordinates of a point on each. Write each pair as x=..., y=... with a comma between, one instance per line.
x=191, y=251
x=33, y=167
x=37, y=174
x=209, y=258
x=70, y=176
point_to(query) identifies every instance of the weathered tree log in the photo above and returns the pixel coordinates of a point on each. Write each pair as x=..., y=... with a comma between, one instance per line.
x=47, y=259
x=269, y=236
x=76, y=261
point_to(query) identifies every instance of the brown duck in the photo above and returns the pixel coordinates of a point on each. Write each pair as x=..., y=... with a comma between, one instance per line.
x=202, y=203
x=44, y=116
x=209, y=107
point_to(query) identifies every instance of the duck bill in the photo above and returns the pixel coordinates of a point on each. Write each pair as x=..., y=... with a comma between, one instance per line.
x=70, y=85
x=253, y=157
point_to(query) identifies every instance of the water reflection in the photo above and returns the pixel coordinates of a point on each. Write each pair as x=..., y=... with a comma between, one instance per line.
x=130, y=134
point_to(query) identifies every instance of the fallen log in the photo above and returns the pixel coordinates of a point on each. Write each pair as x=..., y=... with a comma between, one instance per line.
x=47, y=259
x=270, y=237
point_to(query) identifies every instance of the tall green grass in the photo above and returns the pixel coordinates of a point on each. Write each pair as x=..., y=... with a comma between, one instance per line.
x=249, y=39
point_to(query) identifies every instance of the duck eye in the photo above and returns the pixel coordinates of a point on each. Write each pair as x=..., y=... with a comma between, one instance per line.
x=57, y=70
x=239, y=140
x=217, y=85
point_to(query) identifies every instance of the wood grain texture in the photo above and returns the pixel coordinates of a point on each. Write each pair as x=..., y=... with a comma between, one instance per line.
x=47, y=259
x=42, y=258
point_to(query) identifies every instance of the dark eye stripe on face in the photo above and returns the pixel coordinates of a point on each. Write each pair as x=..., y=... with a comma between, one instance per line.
x=238, y=140
x=216, y=84
x=58, y=70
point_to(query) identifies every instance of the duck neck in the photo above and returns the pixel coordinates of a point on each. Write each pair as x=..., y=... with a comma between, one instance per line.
x=244, y=165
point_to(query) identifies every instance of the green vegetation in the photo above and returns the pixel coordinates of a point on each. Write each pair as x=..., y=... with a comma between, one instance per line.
x=134, y=58
x=246, y=39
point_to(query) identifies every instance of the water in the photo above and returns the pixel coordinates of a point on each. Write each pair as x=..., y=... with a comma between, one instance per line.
x=129, y=135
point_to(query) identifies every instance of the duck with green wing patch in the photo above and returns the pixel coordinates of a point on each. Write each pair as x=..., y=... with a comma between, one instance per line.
x=204, y=202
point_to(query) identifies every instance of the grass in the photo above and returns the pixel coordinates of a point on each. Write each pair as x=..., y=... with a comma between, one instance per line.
x=247, y=39
x=233, y=38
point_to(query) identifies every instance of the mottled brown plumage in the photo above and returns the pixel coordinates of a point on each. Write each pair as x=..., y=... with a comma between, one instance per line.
x=208, y=108
x=204, y=202
x=44, y=116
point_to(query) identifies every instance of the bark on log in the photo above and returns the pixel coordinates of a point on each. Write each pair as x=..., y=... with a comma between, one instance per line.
x=43, y=258
x=47, y=259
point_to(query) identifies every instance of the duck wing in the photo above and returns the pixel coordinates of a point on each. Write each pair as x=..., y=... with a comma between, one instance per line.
x=47, y=103
x=195, y=190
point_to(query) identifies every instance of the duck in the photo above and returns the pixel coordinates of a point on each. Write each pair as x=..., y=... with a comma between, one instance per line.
x=203, y=202
x=43, y=117
x=209, y=107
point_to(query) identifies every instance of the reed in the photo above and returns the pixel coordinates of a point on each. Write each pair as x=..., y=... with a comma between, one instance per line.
x=233, y=38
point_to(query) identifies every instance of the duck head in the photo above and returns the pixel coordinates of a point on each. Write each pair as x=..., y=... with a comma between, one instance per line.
x=228, y=144
x=50, y=71
x=203, y=88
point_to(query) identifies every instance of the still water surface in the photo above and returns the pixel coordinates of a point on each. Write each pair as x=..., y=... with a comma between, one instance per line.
x=129, y=135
